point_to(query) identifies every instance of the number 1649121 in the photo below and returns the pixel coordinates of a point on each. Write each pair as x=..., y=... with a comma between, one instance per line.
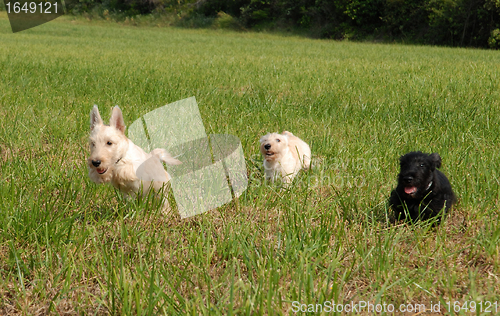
x=31, y=7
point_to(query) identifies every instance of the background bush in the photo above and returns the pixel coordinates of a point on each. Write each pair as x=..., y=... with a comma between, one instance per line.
x=437, y=22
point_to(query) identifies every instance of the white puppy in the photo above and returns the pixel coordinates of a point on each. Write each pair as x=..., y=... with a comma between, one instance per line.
x=284, y=155
x=115, y=158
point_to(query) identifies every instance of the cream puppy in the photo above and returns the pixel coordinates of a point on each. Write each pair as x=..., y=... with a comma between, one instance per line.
x=116, y=159
x=284, y=155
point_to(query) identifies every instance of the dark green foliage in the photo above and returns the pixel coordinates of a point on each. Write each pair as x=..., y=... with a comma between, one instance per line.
x=461, y=22
x=438, y=22
x=365, y=13
x=211, y=8
x=494, y=40
x=406, y=19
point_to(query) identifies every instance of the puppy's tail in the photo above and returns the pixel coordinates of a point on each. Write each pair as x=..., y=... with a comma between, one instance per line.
x=164, y=156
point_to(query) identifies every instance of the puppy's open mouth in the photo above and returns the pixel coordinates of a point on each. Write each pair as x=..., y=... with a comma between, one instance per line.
x=268, y=154
x=101, y=170
x=410, y=190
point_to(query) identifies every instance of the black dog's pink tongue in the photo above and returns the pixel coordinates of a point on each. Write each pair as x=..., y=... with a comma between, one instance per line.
x=410, y=190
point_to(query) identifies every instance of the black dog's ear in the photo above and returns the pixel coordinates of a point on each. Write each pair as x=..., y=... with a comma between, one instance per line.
x=436, y=160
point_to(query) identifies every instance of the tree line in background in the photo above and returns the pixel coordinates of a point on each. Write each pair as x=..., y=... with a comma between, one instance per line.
x=441, y=22
x=465, y=23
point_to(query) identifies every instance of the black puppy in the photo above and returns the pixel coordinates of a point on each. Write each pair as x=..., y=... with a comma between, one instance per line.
x=422, y=191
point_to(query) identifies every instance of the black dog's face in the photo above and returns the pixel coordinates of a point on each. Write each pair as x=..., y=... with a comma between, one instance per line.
x=417, y=172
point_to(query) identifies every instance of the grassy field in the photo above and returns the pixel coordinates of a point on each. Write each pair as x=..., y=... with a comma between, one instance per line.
x=71, y=247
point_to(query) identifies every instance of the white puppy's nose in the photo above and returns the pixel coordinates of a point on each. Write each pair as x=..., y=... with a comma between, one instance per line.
x=267, y=146
x=96, y=163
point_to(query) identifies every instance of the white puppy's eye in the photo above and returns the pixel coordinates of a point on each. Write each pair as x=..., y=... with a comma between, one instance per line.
x=278, y=140
x=92, y=144
x=421, y=165
x=109, y=143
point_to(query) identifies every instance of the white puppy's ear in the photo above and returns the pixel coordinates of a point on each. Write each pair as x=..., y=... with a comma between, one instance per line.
x=95, y=118
x=116, y=119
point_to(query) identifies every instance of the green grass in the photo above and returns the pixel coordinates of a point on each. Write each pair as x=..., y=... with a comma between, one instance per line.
x=69, y=246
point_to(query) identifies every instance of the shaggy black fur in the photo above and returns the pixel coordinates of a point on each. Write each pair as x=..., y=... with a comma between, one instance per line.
x=422, y=191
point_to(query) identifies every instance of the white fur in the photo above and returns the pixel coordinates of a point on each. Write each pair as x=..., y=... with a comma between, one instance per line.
x=285, y=156
x=116, y=159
